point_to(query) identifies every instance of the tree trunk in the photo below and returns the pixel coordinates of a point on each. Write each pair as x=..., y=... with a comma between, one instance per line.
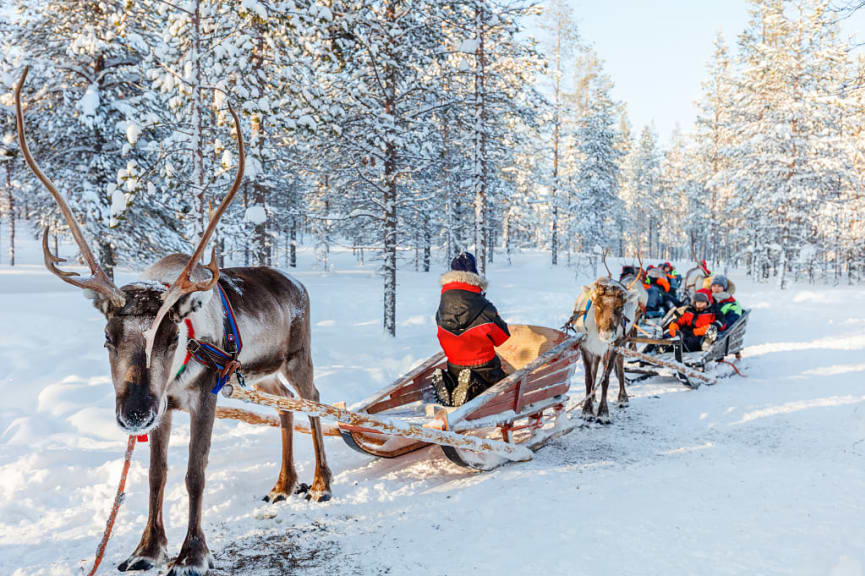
x=292, y=245
x=390, y=223
x=427, y=241
x=10, y=204
x=554, y=241
x=390, y=190
x=480, y=165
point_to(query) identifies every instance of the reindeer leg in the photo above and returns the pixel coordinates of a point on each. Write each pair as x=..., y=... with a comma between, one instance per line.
x=194, y=558
x=603, y=409
x=620, y=374
x=286, y=482
x=152, y=548
x=300, y=373
x=590, y=369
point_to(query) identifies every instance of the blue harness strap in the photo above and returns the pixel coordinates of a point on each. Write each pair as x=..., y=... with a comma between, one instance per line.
x=224, y=361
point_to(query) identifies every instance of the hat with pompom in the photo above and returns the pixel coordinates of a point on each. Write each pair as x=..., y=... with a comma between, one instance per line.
x=464, y=262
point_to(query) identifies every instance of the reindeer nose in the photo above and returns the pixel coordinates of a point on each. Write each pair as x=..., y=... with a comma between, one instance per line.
x=136, y=419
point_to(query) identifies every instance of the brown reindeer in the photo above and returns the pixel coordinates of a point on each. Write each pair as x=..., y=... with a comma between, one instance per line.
x=600, y=312
x=146, y=355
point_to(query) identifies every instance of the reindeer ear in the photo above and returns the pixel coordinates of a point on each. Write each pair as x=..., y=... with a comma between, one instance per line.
x=188, y=304
x=101, y=302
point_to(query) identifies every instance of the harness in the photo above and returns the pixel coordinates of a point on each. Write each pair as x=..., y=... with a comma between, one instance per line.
x=223, y=360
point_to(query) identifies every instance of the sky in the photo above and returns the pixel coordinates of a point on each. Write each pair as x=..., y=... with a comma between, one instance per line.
x=656, y=51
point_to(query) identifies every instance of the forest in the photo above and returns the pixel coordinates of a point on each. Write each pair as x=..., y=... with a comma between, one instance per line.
x=409, y=131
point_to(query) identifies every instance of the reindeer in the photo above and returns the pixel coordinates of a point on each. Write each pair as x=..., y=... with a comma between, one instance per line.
x=145, y=353
x=600, y=312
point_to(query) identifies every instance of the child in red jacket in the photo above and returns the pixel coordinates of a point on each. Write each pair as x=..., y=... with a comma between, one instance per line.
x=697, y=324
x=469, y=329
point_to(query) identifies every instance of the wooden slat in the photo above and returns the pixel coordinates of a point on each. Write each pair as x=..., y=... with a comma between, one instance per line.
x=495, y=391
x=504, y=404
x=430, y=363
x=554, y=366
x=383, y=405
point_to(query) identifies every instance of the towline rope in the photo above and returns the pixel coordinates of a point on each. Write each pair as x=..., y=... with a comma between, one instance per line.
x=118, y=500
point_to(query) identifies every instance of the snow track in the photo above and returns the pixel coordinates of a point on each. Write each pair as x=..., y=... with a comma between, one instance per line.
x=757, y=475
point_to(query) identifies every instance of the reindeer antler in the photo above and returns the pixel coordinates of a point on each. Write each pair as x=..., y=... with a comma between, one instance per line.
x=699, y=264
x=639, y=272
x=183, y=285
x=98, y=281
x=604, y=257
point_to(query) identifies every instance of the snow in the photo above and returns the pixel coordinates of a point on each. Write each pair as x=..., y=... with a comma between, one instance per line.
x=133, y=131
x=89, y=102
x=469, y=45
x=254, y=6
x=255, y=214
x=756, y=475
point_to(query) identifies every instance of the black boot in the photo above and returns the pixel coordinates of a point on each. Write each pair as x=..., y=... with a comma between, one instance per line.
x=442, y=394
x=461, y=392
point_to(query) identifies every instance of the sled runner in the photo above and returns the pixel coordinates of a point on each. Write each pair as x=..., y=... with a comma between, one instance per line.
x=526, y=408
x=672, y=355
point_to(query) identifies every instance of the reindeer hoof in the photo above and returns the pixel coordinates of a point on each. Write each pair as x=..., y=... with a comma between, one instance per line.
x=604, y=419
x=199, y=569
x=136, y=563
x=318, y=496
x=302, y=488
x=273, y=498
x=623, y=403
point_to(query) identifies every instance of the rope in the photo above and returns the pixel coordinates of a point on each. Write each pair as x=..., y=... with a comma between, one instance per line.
x=118, y=500
x=644, y=331
x=735, y=368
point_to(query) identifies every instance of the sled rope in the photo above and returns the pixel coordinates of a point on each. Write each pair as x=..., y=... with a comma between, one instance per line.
x=735, y=368
x=118, y=500
x=689, y=372
x=394, y=427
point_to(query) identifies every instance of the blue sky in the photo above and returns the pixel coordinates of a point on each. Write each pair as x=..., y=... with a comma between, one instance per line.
x=656, y=51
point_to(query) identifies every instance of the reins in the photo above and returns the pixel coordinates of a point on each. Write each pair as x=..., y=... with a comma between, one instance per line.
x=223, y=360
x=118, y=500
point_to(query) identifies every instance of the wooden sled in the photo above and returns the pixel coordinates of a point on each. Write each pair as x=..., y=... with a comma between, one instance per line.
x=526, y=408
x=731, y=342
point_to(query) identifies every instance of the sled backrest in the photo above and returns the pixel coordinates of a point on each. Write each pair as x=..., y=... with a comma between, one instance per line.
x=732, y=340
x=526, y=343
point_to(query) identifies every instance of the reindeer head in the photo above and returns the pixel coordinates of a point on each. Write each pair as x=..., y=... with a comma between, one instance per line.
x=608, y=303
x=141, y=348
x=608, y=306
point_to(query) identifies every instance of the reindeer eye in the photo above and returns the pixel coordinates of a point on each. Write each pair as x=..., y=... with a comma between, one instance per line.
x=108, y=343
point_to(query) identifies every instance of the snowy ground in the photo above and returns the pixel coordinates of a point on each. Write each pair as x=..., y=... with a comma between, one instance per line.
x=758, y=475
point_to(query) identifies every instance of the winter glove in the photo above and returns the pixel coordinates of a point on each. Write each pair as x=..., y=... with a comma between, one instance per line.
x=673, y=329
x=711, y=332
x=701, y=331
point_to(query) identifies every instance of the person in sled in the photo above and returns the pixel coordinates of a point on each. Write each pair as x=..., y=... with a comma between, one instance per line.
x=658, y=287
x=727, y=310
x=697, y=325
x=469, y=329
x=673, y=277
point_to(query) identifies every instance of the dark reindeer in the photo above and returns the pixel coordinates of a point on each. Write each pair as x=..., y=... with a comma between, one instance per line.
x=146, y=355
x=600, y=312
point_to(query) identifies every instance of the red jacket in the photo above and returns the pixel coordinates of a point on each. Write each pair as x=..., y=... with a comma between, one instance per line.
x=469, y=327
x=693, y=321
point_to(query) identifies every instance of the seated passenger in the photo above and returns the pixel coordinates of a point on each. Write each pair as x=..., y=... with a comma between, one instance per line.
x=673, y=277
x=658, y=287
x=469, y=327
x=697, y=324
x=727, y=310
